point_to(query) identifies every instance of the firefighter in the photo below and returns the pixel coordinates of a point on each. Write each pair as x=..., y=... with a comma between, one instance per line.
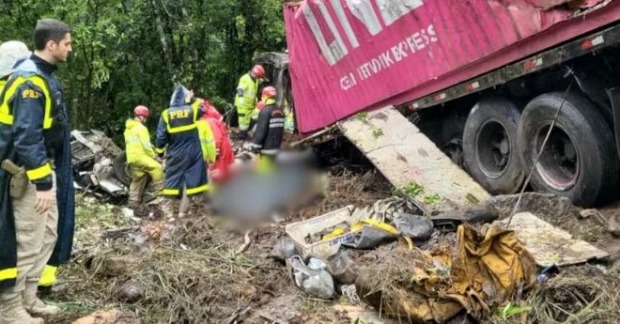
x=141, y=157
x=225, y=157
x=178, y=137
x=269, y=129
x=245, y=100
x=254, y=119
x=36, y=181
x=207, y=142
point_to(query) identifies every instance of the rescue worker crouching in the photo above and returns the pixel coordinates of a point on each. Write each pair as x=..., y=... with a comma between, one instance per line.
x=269, y=130
x=245, y=100
x=178, y=137
x=36, y=184
x=141, y=157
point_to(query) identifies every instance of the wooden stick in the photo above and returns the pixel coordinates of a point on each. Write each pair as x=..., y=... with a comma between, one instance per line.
x=246, y=242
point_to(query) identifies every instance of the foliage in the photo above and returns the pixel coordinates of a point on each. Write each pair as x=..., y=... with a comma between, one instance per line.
x=129, y=52
x=431, y=199
x=413, y=189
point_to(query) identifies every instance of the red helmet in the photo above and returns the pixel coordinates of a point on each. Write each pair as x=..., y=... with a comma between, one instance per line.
x=260, y=105
x=269, y=92
x=258, y=71
x=141, y=111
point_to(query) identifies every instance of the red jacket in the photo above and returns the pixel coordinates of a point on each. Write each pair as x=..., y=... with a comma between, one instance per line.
x=219, y=171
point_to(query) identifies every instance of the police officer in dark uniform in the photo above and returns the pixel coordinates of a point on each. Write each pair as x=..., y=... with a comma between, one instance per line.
x=36, y=222
x=177, y=136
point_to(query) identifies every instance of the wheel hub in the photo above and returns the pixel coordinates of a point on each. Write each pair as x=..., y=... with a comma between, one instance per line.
x=493, y=149
x=558, y=164
x=504, y=146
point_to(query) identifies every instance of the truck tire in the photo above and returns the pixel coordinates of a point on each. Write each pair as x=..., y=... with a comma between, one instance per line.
x=121, y=169
x=579, y=160
x=490, y=145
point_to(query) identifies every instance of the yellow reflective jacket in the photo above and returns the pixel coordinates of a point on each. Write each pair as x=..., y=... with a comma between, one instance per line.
x=256, y=111
x=207, y=143
x=137, y=141
x=245, y=99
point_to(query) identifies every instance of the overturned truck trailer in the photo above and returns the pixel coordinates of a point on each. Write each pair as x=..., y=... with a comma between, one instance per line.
x=507, y=67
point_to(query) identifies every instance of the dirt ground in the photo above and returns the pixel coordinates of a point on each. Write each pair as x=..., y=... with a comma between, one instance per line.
x=195, y=273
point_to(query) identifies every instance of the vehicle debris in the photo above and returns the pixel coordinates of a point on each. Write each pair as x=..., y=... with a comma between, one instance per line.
x=550, y=245
x=418, y=228
x=483, y=270
x=93, y=156
x=312, y=278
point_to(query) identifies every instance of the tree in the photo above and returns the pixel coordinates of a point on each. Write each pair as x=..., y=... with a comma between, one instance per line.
x=130, y=52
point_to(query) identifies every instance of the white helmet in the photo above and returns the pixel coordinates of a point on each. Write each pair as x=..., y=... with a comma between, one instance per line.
x=10, y=53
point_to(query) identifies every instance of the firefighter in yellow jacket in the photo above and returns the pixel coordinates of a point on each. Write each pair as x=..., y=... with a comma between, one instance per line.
x=207, y=143
x=141, y=156
x=245, y=100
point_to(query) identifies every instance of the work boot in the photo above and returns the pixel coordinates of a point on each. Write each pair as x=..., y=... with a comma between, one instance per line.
x=184, y=206
x=167, y=208
x=13, y=312
x=158, y=187
x=34, y=305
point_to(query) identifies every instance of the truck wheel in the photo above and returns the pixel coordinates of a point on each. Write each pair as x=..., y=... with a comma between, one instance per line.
x=121, y=169
x=490, y=145
x=579, y=160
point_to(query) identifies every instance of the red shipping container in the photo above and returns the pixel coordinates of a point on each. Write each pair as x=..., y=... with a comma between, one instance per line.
x=350, y=55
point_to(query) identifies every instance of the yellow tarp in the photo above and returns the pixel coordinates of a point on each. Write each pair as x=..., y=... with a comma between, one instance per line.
x=483, y=271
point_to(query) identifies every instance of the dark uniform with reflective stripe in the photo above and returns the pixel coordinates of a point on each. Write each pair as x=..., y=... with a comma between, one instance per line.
x=269, y=129
x=34, y=134
x=177, y=135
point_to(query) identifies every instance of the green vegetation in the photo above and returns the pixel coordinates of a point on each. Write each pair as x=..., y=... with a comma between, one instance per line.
x=431, y=199
x=412, y=189
x=132, y=52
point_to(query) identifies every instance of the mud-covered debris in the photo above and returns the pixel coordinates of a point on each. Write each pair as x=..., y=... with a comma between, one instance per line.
x=312, y=278
x=342, y=268
x=418, y=286
x=130, y=292
x=419, y=228
x=613, y=225
x=534, y=202
x=284, y=249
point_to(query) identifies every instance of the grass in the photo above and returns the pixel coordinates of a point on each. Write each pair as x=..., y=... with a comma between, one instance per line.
x=413, y=189
x=377, y=132
x=431, y=199
x=579, y=294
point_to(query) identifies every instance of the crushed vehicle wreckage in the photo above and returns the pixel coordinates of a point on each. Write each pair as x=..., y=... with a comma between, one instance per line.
x=100, y=166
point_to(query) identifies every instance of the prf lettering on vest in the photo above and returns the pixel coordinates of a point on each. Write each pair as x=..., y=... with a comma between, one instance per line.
x=389, y=11
x=179, y=114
